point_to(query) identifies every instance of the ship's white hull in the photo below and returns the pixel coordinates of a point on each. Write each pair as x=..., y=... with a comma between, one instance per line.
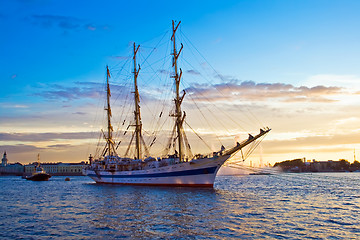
x=198, y=173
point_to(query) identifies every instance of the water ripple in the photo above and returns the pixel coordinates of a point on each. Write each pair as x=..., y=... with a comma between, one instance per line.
x=286, y=206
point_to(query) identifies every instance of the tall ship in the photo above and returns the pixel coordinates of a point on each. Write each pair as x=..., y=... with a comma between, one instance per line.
x=176, y=169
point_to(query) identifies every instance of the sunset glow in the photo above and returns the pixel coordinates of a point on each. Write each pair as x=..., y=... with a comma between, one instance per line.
x=292, y=66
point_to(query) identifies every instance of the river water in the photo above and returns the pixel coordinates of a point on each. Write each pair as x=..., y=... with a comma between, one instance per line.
x=282, y=206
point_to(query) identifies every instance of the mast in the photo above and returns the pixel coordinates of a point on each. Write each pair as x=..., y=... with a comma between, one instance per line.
x=178, y=99
x=354, y=155
x=110, y=142
x=137, y=107
x=38, y=161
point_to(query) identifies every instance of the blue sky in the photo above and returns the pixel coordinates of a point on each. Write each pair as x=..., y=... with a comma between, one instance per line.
x=255, y=40
x=47, y=46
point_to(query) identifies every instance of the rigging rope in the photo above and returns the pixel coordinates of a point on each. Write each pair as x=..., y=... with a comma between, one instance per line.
x=198, y=135
x=219, y=75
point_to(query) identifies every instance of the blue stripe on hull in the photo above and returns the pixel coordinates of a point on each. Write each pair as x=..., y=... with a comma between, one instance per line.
x=165, y=174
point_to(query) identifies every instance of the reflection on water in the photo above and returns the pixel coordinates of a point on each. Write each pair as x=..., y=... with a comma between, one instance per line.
x=152, y=212
x=297, y=206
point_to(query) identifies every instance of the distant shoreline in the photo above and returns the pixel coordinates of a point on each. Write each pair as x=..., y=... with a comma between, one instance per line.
x=54, y=174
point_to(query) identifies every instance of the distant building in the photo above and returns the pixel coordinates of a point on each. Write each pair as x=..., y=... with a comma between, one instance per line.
x=55, y=169
x=10, y=169
x=58, y=169
x=4, y=160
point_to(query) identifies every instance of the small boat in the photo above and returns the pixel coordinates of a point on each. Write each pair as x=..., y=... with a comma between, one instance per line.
x=39, y=174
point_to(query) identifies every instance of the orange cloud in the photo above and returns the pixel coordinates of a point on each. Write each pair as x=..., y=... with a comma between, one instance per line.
x=249, y=90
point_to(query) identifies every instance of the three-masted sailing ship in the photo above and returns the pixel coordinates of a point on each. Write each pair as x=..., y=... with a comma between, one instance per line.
x=171, y=170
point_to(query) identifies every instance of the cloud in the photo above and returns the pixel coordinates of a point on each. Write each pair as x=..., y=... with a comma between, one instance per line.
x=90, y=27
x=349, y=81
x=325, y=143
x=26, y=153
x=48, y=21
x=80, y=91
x=65, y=23
x=39, y=137
x=12, y=105
x=21, y=106
x=59, y=146
x=225, y=78
x=193, y=72
x=249, y=90
x=79, y=113
x=20, y=148
x=163, y=71
x=346, y=121
x=204, y=65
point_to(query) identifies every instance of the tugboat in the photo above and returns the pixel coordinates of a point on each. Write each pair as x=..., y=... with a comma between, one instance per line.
x=39, y=174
